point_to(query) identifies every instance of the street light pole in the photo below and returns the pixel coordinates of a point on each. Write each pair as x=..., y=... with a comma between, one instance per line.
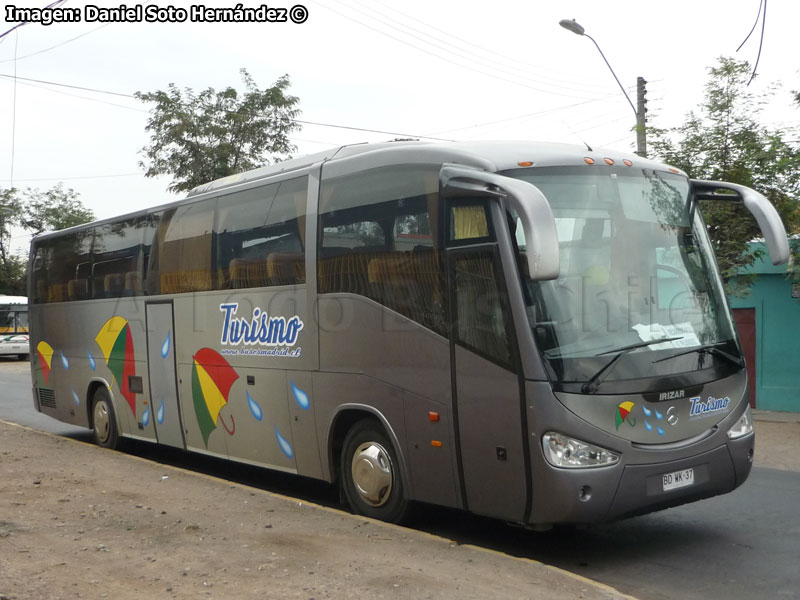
x=641, y=142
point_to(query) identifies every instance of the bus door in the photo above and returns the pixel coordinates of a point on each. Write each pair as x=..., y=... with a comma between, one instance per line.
x=487, y=393
x=165, y=409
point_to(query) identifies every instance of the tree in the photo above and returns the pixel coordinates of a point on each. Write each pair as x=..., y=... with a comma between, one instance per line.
x=12, y=267
x=36, y=212
x=53, y=209
x=197, y=138
x=724, y=141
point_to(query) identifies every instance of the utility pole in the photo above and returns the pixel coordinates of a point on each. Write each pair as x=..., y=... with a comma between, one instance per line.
x=641, y=134
x=641, y=127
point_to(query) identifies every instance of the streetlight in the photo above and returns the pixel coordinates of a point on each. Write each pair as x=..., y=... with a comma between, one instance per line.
x=577, y=28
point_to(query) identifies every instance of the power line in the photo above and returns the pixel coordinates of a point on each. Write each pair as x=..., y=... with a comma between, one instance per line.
x=444, y=58
x=18, y=25
x=75, y=87
x=407, y=135
x=79, y=177
x=98, y=91
x=14, y=110
x=57, y=45
x=42, y=87
x=514, y=70
x=483, y=49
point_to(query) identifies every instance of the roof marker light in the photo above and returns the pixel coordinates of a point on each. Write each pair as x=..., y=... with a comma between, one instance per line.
x=627, y=163
x=608, y=161
x=588, y=161
x=524, y=163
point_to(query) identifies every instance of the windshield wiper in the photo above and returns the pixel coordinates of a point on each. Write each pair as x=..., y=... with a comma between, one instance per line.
x=590, y=387
x=707, y=349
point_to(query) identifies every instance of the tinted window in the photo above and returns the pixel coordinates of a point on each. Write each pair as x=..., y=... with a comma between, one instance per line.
x=259, y=235
x=119, y=258
x=378, y=238
x=480, y=322
x=58, y=262
x=182, y=256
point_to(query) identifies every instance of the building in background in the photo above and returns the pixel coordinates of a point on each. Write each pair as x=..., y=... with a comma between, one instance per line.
x=768, y=320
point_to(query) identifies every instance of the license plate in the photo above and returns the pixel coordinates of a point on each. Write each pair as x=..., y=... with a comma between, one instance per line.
x=678, y=479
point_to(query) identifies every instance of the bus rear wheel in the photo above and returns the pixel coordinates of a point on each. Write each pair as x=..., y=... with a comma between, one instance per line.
x=104, y=420
x=370, y=474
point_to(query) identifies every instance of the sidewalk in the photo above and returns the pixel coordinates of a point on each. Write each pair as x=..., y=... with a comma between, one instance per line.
x=78, y=521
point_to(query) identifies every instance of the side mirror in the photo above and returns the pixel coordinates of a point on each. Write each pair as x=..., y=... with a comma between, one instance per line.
x=527, y=200
x=762, y=209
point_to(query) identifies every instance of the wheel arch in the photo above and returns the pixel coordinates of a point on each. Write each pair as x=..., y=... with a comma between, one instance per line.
x=343, y=419
x=95, y=384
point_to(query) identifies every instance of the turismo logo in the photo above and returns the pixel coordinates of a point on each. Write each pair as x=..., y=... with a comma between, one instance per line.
x=698, y=408
x=272, y=336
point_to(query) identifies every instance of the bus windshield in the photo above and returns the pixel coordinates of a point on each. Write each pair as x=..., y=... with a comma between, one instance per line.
x=638, y=296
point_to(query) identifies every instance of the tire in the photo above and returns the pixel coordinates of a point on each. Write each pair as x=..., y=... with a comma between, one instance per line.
x=370, y=474
x=104, y=420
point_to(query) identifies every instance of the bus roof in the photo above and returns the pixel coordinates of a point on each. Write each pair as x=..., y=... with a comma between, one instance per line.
x=488, y=155
x=13, y=300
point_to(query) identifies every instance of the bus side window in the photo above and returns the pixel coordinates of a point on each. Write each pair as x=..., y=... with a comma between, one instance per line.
x=378, y=238
x=259, y=236
x=55, y=264
x=119, y=257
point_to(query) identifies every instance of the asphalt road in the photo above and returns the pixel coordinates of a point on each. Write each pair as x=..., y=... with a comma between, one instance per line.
x=739, y=546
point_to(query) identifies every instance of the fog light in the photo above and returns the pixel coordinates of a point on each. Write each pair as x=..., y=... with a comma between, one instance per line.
x=743, y=426
x=568, y=453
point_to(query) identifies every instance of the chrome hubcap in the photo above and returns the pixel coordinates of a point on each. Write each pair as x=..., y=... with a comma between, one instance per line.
x=101, y=421
x=372, y=473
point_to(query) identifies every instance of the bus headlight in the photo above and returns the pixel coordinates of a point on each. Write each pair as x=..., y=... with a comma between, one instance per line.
x=568, y=453
x=743, y=426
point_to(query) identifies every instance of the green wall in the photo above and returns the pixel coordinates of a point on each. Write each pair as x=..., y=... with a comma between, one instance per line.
x=777, y=317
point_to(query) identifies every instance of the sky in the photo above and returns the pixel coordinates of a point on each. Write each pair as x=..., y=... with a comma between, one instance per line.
x=448, y=70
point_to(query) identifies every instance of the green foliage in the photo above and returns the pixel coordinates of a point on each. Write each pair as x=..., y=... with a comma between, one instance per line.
x=197, y=138
x=34, y=211
x=724, y=141
x=12, y=268
x=53, y=209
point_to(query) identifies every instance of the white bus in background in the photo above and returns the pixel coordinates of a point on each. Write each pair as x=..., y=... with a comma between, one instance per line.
x=14, y=326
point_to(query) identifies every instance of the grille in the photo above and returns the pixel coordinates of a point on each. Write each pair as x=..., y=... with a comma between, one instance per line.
x=47, y=398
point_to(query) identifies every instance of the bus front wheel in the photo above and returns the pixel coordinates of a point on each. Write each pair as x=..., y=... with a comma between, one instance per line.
x=104, y=420
x=370, y=474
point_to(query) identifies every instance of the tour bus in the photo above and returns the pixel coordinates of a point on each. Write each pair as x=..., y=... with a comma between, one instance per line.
x=14, y=326
x=532, y=332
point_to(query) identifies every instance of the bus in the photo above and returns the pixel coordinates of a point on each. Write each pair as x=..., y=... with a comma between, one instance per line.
x=533, y=332
x=14, y=327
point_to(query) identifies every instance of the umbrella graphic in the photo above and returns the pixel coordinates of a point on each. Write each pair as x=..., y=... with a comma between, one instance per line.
x=45, y=354
x=623, y=410
x=116, y=345
x=212, y=378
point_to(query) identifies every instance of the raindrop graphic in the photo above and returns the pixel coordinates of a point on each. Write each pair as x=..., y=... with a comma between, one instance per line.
x=659, y=416
x=165, y=346
x=286, y=447
x=660, y=431
x=146, y=417
x=647, y=412
x=76, y=398
x=91, y=362
x=254, y=407
x=160, y=413
x=301, y=397
x=64, y=360
x=648, y=426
